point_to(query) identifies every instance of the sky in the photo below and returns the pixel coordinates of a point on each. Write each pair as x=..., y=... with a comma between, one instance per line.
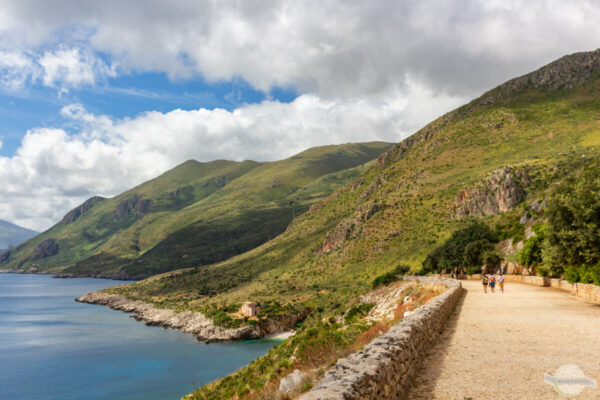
x=99, y=96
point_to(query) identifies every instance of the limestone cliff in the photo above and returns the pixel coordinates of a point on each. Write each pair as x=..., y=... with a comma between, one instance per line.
x=501, y=191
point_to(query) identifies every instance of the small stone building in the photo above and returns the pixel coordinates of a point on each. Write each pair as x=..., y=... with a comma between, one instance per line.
x=249, y=309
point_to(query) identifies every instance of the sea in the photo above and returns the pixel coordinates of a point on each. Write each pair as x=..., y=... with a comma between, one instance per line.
x=53, y=348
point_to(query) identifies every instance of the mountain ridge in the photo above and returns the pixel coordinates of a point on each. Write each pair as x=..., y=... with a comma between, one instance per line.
x=12, y=235
x=215, y=204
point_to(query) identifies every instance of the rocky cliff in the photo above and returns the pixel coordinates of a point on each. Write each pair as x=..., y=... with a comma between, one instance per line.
x=77, y=212
x=501, y=191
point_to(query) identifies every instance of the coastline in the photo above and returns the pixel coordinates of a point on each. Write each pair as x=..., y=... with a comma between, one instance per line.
x=192, y=322
x=60, y=275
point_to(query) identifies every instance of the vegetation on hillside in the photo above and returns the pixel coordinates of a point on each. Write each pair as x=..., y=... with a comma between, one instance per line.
x=468, y=247
x=195, y=214
x=313, y=350
x=569, y=244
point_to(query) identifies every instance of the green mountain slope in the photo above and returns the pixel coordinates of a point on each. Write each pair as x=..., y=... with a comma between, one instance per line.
x=532, y=131
x=13, y=235
x=195, y=214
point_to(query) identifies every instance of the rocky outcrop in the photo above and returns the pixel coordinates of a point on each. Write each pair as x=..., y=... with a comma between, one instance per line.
x=188, y=321
x=371, y=189
x=46, y=248
x=192, y=322
x=348, y=228
x=75, y=213
x=387, y=365
x=135, y=204
x=500, y=192
x=565, y=73
x=293, y=382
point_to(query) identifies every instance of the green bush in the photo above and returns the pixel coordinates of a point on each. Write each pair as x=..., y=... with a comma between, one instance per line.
x=391, y=276
x=573, y=233
x=531, y=253
x=358, y=311
x=474, y=252
x=452, y=253
x=572, y=274
x=492, y=259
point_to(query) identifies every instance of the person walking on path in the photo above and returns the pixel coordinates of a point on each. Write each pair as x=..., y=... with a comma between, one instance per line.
x=501, y=282
x=484, y=280
x=492, y=283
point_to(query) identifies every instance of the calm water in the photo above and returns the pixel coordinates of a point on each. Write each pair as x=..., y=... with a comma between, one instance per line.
x=52, y=347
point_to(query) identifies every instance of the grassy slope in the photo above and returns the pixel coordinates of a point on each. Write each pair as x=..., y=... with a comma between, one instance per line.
x=532, y=128
x=208, y=219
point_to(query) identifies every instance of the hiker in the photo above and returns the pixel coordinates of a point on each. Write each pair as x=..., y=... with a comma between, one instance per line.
x=501, y=282
x=492, y=283
x=484, y=280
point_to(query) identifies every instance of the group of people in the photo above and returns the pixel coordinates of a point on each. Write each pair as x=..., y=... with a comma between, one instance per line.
x=491, y=280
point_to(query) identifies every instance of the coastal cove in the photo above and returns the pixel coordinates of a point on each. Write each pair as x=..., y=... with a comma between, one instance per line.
x=54, y=348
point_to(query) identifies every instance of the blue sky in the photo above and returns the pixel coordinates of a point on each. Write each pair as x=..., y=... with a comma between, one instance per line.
x=99, y=96
x=124, y=96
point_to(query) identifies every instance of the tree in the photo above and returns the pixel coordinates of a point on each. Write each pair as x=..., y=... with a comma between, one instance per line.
x=474, y=252
x=452, y=253
x=573, y=212
x=491, y=259
x=531, y=253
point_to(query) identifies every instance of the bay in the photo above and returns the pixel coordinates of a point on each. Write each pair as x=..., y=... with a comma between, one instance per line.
x=52, y=347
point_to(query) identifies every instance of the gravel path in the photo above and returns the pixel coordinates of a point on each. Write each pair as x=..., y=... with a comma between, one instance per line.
x=498, y=346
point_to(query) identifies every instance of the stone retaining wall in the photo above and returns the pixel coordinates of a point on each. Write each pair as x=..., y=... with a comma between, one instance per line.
x=386, y=367
x=585, y=291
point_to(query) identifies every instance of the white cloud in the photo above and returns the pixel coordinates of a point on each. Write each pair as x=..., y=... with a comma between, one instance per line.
x=333, y=48
x=55, y=171
x=16, y=68
x=73, y=67
x=62, y=68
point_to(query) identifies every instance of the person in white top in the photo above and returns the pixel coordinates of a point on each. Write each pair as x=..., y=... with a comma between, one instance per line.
x=501, y=282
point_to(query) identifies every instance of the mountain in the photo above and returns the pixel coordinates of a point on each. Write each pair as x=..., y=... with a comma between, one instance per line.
x=194, y=214
x=494, y=160
x=13, y=235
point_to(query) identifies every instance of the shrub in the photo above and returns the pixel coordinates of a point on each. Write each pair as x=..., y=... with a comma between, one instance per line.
x=531, y=253
x=474, y=252
x=452, y=253
x=391, y=276
x=572, y=274
x=492, y=259
x=358, y=311
x=573, y=224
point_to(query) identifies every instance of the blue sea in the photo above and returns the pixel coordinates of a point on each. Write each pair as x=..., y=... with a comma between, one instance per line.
x=53, y=348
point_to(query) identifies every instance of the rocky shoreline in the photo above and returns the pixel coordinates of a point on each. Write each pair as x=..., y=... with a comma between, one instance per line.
x=192, y=322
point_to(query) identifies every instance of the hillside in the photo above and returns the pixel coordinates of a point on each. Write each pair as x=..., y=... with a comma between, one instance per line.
x=195, y=214
x=13, y=235
x=493, y=160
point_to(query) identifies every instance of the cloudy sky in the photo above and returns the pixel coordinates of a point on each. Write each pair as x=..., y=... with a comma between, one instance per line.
x=98, y=96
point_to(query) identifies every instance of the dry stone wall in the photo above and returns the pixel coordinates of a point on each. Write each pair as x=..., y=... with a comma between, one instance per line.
x=387, y=366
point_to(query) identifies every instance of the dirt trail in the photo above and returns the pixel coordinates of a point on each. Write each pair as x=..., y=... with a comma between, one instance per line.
x=498, y=346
